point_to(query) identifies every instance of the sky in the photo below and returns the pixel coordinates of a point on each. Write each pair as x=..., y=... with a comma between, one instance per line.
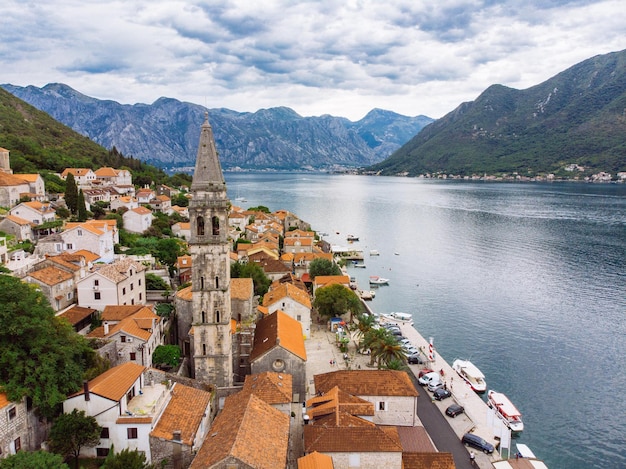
x=337, y=57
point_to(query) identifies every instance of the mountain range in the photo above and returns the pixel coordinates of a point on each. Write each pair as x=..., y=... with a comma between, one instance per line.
x=576, y=119
x=165, y=134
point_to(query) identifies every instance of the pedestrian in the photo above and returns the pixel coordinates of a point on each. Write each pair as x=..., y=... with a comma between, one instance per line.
x=472, y=457
x=445, y=385
x=331, y=362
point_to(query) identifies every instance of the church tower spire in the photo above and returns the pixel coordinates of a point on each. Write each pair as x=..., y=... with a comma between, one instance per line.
x=210, y=278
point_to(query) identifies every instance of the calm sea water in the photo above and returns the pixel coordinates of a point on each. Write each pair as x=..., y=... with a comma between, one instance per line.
x=526, y=280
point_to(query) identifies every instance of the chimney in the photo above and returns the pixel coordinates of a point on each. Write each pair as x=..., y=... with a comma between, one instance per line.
x=86, y=389
x=106, y=328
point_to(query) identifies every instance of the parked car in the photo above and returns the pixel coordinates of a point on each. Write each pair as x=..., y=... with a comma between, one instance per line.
x=415, y=359
x=426, y=378
x=454, y=409
x=470, y=439
x=404, y=341
x=423, y=372
x=410, y=350
x=441, y=393
x=435, y=384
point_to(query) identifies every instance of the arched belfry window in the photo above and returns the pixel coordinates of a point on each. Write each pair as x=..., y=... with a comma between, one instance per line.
x=200, y=226
x=203, y=317
x=217, y=282
x=201, y=283
x=215, y=221
x=217, y=316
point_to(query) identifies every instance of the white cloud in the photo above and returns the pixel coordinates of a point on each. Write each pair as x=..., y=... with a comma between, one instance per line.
x=318, y=57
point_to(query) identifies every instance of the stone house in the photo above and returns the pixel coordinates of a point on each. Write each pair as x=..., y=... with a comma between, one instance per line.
x=273, y=388
x=292, y=301
x=80, y=318
x=56, y=285
x=162, y=204
x=19, y=227
x=121, y=283
x=84, y=177
x=12, y=188
x=145, y=195
x=326, y=280
x=242, y=299
x=247, y=434
x=392, y=393
x=298, y=244
x=20, y=428
x=279, y=347
x=107, y=176
x=93, y=237
x=137, y=220
x=35, y=212
x=183, y=269
x=125, y=201
x=182, y=230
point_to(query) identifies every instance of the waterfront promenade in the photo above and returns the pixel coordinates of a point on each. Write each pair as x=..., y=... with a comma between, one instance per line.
x=322, y=349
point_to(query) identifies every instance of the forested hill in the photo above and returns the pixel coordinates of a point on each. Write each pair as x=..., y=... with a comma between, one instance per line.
x=577, y=117
x=38, y=143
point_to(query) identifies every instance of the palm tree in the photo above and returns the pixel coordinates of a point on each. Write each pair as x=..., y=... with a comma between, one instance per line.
x=363, y=324
x=389, y=351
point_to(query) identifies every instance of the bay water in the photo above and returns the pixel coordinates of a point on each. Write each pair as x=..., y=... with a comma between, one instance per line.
x=526, y=280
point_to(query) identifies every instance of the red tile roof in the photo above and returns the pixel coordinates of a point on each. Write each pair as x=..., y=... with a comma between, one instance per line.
x=278, y=330
x=367, y=382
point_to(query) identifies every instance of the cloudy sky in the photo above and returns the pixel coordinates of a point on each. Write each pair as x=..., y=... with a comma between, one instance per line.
x=339, y=57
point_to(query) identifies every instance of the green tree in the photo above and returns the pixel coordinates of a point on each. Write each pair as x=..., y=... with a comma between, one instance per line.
x=168, y=250
x=71, y=194
x=168, y=354
x=363, y=324
x=388, y=352
x=323, y=267
x=126, y=459
x=42, y=356
x=254, y=271
x=336, y=300
x=71, y=432
x=374, y=339
x=154, y=282
x=33, y=460
x=82, y=207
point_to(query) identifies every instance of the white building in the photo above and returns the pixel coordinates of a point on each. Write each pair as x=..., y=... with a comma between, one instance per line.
x=137, y=220
x=121, y=283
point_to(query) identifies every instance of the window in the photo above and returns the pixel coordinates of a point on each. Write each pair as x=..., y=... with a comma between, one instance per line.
x=382, y=405
x=299, y=317
x=132, y=287
x=102, y=452
x=217, y=282
x=131, y=433
x=122, y=338
x=215, y=222
x=139, y=283
x=96, y=282
x=105, y=432
x=70, y=246
x=140, y=297
x=96, y=295
x=200, y=226
x=18, y=444
x=124, y=291
x=12, y=413
x=133, y=356
x=80, y=232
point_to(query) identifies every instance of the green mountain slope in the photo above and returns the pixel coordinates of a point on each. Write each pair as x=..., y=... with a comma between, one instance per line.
x=576, y=117
x=38, y=143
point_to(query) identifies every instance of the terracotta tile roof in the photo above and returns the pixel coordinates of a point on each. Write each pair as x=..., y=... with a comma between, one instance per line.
x=324, y=280
x=51, y=275
x=75, y=171
x=119, y=312
x=367, y=382
x=70, y=261
x=141, y=210
x=184, y=262
x=106, y=172
x=287, y=290
x=278, y=330
x=351, y=437
x=295, y=241
x=273, y=388
x=336, y=401
x=241, y=288
x=263, y=310
x=114, y=383
x=415, y=440
x=184, y=412
x=138, y=420
x=40, y=206
x=299, y=233
x=315, y=460
x=4, y=401
x=118, y=271
x=247, y=430
x=428, y=461
x=7, y=179
x=18, y=220
x=88, y=255
x=273, y=266
x=76, y=314
x=28, y=177
x=185, y=293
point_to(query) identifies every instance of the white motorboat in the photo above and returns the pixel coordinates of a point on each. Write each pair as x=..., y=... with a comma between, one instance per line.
x=398, y=318
x=374, y=252
x=471, y=374
x=376, y=280
x=505, y=409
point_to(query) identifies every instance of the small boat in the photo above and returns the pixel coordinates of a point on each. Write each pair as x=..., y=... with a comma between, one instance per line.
x=374, y=252
x=358, y=264
x=396, y=253
x=376, y=280
x=505, y=409
x=372, y=293
x=352, y=238
x=366, y=295
x=397, y=318
x=471, y=374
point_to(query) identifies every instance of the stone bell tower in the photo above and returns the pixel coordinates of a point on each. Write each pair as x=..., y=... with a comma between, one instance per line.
x=210, y=278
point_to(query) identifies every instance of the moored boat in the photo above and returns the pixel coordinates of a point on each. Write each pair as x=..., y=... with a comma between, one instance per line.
x=471, y=374
x=397, y=318
x=505, y=409
x=376, y=280
x=374, y=252
x=352, y=238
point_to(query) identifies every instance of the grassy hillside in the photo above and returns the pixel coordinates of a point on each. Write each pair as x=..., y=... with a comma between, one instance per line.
x=576, y=117
x=38, y=143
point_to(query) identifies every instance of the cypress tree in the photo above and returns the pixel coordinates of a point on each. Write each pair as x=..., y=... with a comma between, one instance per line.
x=82, y=207
x=71, y=194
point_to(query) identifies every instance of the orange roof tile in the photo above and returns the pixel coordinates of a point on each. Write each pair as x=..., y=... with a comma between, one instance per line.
x=331, y=280
x=106, y=172
x=367, y=382
x=4, y=400
x=88, y=255
x=273, y=388
x=337, y=401
x=18, y=220
x=114, y=383
x=315, y=460
x=278, y=330
x=352, y=435
x=428, y=461
x=185, y=293
x=241, y=288
x=235, y=435
x=76, y=314
x=184, y=412
x=51, y=275
x=119, y=312
x=287, y=290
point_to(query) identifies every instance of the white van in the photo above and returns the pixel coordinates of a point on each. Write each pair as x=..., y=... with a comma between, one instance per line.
x=428, y=377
